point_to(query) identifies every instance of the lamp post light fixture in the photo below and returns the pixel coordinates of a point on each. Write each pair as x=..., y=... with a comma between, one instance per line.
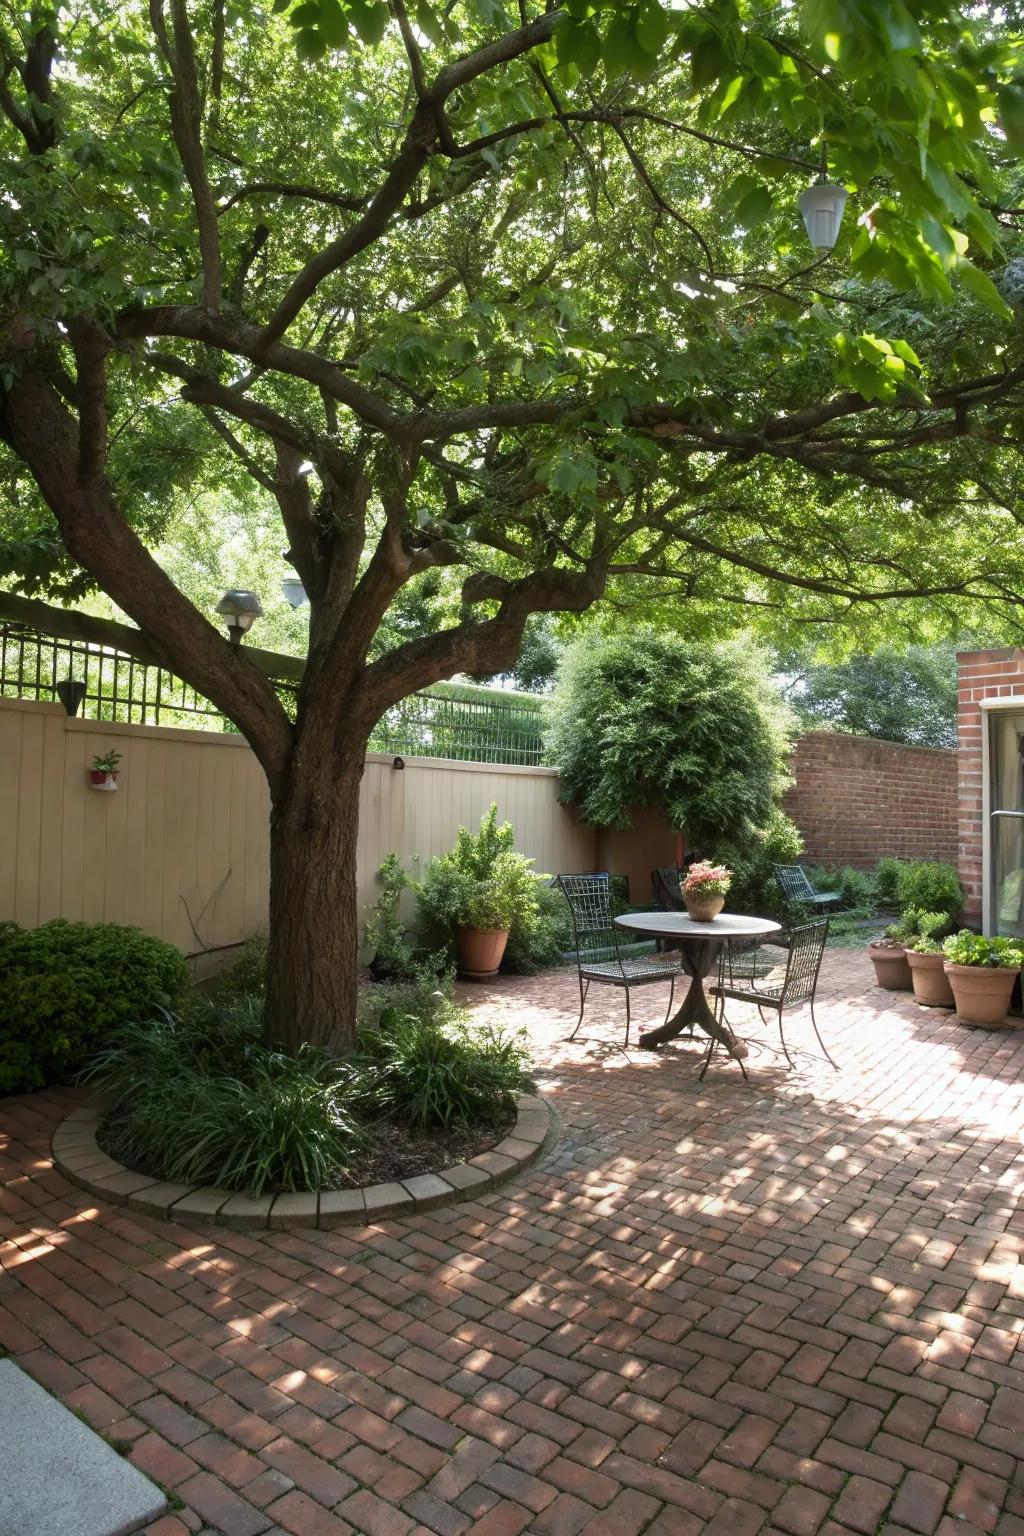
x=240, y=610
x=822, y=208
x=293, y=592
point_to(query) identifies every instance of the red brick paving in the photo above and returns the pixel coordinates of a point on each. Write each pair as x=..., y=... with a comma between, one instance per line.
x=790, y=1306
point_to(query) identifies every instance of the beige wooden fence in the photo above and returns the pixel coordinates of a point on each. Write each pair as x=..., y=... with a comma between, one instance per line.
x=181, y=848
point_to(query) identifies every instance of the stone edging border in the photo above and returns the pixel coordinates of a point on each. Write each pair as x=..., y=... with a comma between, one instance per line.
x=79, y=1157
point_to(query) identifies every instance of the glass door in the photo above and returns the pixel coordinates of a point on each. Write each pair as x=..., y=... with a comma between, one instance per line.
x=1006, y=822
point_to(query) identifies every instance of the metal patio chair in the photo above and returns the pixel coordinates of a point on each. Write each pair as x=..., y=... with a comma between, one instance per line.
x=805, y=948
x=596, y=941
x=797, y=889
x=667, y=885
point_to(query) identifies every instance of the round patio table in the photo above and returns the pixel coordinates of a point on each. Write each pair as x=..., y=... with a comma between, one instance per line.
x=699, y=945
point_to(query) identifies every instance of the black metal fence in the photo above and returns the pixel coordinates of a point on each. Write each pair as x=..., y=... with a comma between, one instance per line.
x=101, y=683
x=439, y=724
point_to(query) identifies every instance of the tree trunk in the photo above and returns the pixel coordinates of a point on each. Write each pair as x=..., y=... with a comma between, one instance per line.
x=314, y=919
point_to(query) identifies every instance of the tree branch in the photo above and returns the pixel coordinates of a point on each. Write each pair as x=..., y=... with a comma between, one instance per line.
x=187, y=127
x=416, y=149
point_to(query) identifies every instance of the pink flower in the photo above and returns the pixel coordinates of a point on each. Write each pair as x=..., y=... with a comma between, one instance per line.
x=707, y=879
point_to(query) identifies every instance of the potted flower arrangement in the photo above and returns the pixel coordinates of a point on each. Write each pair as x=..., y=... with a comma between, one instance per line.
x=704, y=890
x=888, y=954
x=982, y=973
x=103, y=771
x=926, y=960
x=477, y=892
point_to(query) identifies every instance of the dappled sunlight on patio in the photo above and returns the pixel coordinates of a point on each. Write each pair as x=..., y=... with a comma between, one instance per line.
x=715, y=1306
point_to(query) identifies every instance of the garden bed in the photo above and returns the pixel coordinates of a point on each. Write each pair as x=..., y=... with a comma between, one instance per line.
x=79, y=1155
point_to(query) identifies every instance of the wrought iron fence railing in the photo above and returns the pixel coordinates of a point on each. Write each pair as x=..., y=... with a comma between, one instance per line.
x=109, y=684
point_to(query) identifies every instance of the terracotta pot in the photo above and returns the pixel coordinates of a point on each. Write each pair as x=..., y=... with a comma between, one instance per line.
x=928, y=974
x=703, y=909
x=982, y=993
x=891, y=969
x=480, y=951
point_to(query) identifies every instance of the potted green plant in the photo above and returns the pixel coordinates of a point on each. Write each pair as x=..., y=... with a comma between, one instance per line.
x=103, y=771
x=982, y=973
x=926, y=960
x=704, y=889
x=888, y=954
x=477, y=892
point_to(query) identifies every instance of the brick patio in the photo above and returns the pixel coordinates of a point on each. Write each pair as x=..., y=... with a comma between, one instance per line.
x=789, y=1306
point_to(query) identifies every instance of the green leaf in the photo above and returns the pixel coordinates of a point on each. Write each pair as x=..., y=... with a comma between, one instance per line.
x=1011, y=114
x=754, y=208
x=651, y=27
x=579, y=44
x=981, y=285
x=370, y=21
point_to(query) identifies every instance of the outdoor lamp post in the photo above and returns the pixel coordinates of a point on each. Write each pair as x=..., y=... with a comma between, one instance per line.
x=240, y=610
x=822, y=208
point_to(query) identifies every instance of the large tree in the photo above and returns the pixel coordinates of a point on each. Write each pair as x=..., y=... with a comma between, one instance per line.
x=518, y=297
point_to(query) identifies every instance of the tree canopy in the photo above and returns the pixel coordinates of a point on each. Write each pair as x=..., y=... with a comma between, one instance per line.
x=503, y=313
x=905, y=695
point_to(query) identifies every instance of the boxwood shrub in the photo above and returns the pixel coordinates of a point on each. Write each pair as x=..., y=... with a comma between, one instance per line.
x=66, y=987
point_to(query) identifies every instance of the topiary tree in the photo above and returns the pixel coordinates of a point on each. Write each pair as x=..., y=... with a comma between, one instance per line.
x=649, y=719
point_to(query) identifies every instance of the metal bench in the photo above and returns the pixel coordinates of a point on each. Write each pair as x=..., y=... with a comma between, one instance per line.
x=796, y=887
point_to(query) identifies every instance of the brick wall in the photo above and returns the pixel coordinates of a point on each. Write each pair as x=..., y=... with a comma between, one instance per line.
x=983, y=675
x=857, y=800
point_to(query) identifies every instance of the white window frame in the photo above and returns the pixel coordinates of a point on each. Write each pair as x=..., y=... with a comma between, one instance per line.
x=1000, y=702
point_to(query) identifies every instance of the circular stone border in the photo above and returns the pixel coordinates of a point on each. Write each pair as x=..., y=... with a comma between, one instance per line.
x=81, y=1159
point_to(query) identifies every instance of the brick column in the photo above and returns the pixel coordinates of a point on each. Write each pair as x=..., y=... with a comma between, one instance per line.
x=983, y=675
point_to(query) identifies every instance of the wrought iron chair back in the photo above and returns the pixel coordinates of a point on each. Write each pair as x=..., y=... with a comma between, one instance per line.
x=806, y=951
x=805, y=945
x=793, y=883
x=590, y=908
x=596, y=940
x=668, y=889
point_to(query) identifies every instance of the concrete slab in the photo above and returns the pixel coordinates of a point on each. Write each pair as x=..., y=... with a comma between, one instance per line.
x=59, y=1478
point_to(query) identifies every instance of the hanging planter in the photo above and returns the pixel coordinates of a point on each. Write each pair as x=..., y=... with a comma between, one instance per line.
x=103, y=774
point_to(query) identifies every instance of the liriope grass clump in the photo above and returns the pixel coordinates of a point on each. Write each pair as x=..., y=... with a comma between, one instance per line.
x=201, y=1097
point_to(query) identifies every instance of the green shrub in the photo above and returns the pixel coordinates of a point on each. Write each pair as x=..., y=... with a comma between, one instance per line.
x=386, y=934
x=967, y=948
x=754, y=890
x=482, y=883
x=426, y=996
x=887, y=875
x=540, y=940
x=929, y=928
x=247, y=974
x=857, y=888
x=929, y=888
x=65, y=988
x=696, y=729
x=203, y=1099
x=434, y=1071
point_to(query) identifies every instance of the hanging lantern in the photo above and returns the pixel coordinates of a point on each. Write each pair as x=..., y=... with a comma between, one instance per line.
x=293, y=592
x=822, y=208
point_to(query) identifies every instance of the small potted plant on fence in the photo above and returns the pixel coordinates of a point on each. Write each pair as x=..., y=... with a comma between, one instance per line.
x=927, y=961
x=103, y=772
x=982, y=973
x=477, y=892
x=889, y=954
x=704, y=890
